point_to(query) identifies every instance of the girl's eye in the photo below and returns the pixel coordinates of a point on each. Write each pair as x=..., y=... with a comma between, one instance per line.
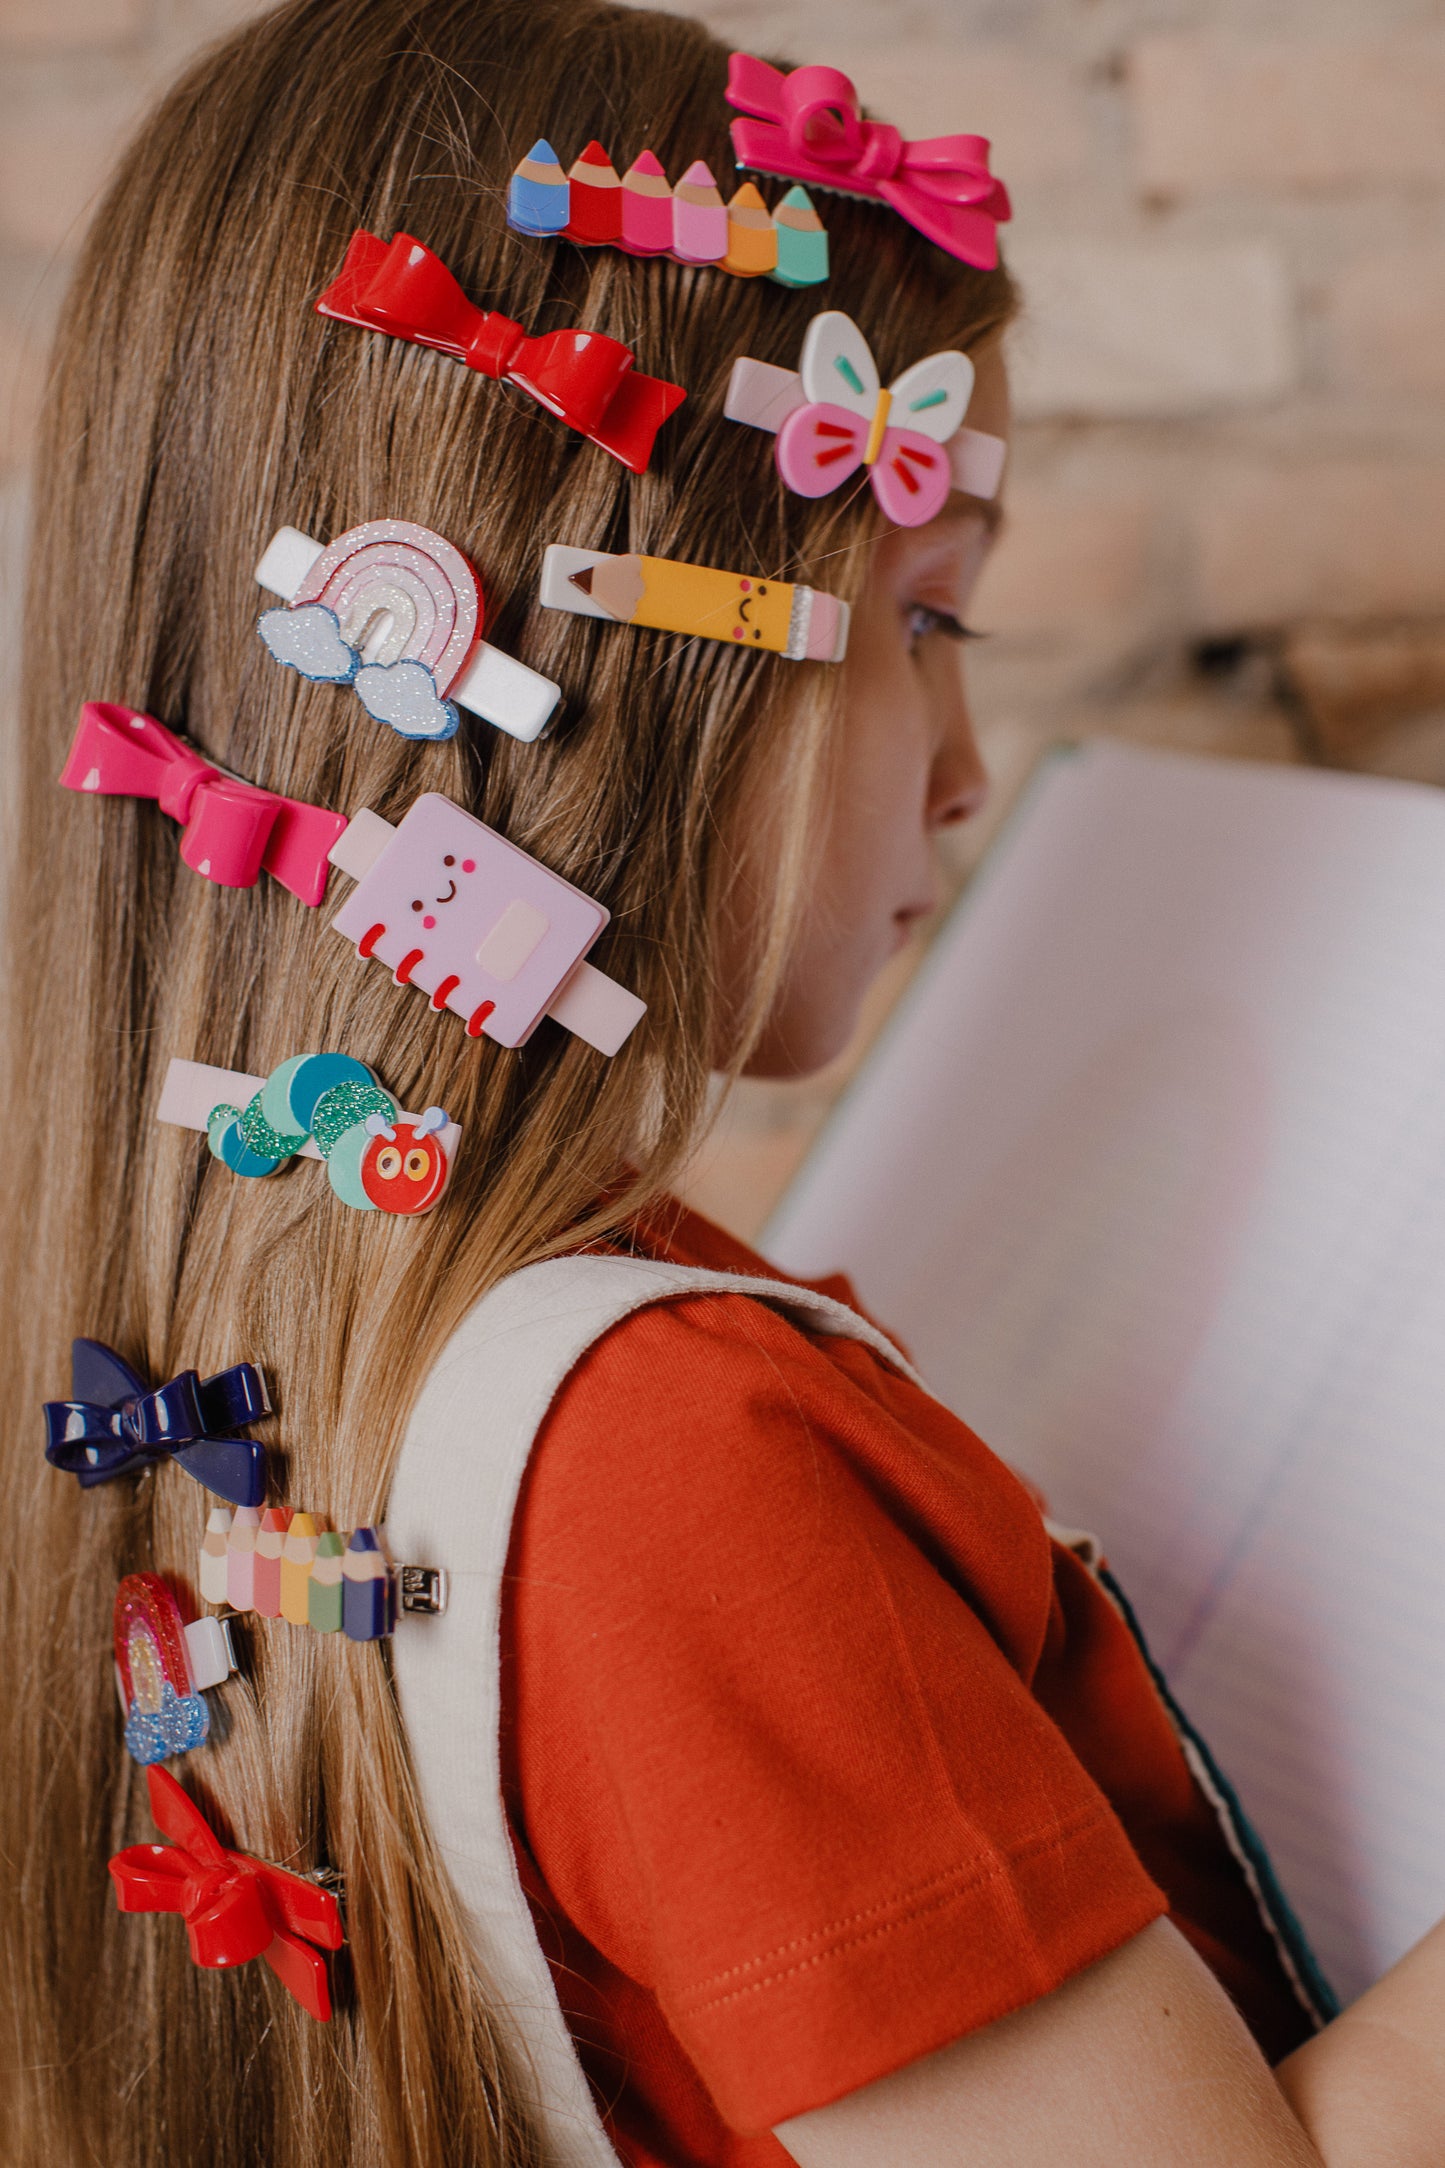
x=923, y=619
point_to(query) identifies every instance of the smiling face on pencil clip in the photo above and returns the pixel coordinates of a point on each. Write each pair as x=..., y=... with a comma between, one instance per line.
x=774, y=616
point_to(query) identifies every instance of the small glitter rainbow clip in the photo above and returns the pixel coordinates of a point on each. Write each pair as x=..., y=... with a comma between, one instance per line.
x=163, y=1668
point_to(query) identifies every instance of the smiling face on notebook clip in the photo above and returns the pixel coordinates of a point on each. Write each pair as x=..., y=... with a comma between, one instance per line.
x=480, y=927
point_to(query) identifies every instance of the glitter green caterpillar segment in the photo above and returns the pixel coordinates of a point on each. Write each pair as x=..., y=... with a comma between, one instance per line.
x=343, y=1107
x=266, y=1142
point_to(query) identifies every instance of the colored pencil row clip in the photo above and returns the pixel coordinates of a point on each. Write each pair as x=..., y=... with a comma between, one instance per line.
x=288, y=1565
x=644, y=215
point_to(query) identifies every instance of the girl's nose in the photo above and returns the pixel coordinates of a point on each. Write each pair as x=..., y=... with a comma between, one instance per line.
x=958, y=785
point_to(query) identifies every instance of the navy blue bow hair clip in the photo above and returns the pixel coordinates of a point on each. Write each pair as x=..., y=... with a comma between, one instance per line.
x=116, y=1423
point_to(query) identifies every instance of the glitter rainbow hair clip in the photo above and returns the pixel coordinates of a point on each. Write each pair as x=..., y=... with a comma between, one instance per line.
x=642, y=214
x=318, y=1106
x=396, y=613
x=808, y=126
x=834, y=416
x=163, y=1669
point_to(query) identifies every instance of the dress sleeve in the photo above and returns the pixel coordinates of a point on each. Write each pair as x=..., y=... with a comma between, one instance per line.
x=775, y=1748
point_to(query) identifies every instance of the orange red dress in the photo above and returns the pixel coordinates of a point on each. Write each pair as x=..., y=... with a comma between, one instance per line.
x=818, y=1751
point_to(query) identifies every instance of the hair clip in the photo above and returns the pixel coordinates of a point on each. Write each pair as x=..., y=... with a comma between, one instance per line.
x=114, y=1423
x=644, y=216
x=395, y=612
x=808, y=126
x=231, y=831
x=488, y=932
x=288, y=1565
x=834, y=416
x=235, y=1907
x=799, y=622
x=586, y=379
x=318, y=1106
x=163, y=1668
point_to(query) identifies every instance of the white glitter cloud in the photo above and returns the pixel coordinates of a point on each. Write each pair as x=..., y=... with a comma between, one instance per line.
x=308, y=639
x=404, y=694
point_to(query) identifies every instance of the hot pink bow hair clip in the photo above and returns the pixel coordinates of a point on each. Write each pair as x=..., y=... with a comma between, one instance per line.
x=231, y=830
x=806, y=126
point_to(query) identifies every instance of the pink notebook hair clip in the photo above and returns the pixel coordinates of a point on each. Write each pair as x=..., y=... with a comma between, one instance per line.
x=807, y=126
x=479, y=926
x=834, y=416
x=232, y=831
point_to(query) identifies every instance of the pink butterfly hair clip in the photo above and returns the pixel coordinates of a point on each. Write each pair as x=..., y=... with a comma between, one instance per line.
x=834, y=415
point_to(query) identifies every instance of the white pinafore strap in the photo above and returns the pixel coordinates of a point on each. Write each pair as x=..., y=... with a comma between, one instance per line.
x=452, y=1501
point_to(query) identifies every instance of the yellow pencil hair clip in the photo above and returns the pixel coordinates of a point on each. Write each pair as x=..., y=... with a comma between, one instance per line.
x=741, y=609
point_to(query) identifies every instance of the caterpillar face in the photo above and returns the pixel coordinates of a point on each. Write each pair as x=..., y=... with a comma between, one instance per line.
x=404, y=1172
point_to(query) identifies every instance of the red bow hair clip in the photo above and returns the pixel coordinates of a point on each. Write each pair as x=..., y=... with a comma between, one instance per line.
x=235, y=1907
x=403, y=288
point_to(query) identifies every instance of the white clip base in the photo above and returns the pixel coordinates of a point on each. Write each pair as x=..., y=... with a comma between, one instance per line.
x=762, y=395
x=360, y=843
x=556, y=591
x=506, y=694
x=210, y=1653
x=595, y=1008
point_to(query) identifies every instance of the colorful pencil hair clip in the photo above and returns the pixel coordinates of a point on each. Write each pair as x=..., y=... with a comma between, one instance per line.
x=773, y=615
x=834, y=416
x=291, y=1566
x=232, y=831
x=395, y=612
x=642, y=215
x=235, y=1907
x=318, y=1106
x=481, y=927
x=808, y=126
x=114, y=1424
x=164, y=1667
x=586, y=379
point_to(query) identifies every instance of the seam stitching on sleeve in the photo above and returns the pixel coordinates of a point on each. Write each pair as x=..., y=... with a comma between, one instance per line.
x=953, y=1883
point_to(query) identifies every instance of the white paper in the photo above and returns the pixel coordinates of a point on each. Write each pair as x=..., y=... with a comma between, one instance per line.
x=1149, y=1173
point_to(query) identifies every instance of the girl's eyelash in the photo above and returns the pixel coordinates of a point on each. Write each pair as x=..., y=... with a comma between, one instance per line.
x=924, y=619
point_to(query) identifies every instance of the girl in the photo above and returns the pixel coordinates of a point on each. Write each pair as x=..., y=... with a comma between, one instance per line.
x=852, y=1824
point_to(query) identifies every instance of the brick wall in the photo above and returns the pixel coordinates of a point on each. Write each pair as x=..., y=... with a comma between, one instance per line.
x=1228, y=500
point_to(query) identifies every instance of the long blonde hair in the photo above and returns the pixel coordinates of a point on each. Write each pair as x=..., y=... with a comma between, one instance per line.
x=197, y=404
